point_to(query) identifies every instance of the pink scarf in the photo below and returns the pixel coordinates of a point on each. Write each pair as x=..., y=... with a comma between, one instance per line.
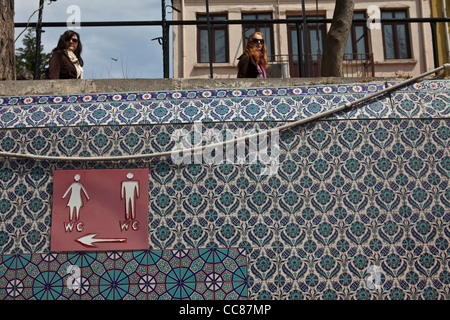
x=261, y=69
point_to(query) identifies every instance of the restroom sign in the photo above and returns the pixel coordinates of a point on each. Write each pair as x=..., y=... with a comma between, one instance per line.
x=97, y=210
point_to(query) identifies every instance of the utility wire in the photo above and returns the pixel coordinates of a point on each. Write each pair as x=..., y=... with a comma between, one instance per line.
x=28, y=22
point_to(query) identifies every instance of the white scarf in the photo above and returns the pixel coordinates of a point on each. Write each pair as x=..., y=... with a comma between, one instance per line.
x=76, y=63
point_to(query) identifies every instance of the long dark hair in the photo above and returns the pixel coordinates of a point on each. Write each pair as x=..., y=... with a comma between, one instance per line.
x=66, y=36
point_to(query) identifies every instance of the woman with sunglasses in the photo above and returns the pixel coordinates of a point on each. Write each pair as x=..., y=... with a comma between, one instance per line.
x=66, y=62
x=253, y=62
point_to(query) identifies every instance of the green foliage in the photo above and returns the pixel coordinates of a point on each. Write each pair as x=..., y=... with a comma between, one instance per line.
x=25, y=55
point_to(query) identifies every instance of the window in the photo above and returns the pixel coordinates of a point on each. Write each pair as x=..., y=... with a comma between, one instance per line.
x=219, y=40
x=265, y=28
x=314, y=36
x=395, y=36
x=357, y=46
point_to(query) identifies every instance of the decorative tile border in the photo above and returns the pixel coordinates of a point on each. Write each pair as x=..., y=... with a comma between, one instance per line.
x=189, y=95
x=218, y=105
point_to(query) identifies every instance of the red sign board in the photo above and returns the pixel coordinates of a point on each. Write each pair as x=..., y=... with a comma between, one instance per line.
x=97, y=210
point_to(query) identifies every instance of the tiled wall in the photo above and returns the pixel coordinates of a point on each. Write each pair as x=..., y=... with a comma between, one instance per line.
x=199, y=274
x=361, y=194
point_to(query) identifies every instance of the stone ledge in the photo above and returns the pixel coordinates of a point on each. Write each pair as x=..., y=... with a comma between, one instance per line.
x=87, y=86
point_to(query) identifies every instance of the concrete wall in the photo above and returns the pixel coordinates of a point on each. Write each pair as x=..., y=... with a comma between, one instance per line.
x=49, y=87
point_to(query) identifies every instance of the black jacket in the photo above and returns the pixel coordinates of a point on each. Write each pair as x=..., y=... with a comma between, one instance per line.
x=60, y=66
x=247, y=67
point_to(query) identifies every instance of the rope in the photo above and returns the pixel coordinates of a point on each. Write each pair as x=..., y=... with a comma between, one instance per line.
x=235, y=140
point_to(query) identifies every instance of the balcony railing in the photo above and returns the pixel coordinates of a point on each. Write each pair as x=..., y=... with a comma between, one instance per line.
x=359, y=65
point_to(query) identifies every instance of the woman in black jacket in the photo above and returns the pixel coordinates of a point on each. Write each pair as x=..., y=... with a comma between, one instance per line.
x=253, y=62
x=66, y=61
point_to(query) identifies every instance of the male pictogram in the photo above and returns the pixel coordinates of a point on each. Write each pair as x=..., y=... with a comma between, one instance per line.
x=75, y=200
x=130, y=190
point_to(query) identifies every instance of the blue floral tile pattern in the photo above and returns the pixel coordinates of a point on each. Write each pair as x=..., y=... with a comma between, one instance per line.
x=358, y=208
x=423, y=100
x=218, y=105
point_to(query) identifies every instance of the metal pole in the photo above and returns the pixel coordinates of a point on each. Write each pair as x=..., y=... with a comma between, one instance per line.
x=165, y=40
x=196, y=22
x=299, y=51
x=305, y=39
x=37, y=57
x=447, y=36
x=435, y=45
x=208, y=21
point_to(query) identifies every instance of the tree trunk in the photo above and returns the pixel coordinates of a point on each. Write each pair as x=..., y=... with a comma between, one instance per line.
x=7, y=56
x=336, y=39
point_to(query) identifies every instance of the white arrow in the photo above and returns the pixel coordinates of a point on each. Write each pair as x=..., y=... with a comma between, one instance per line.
x=88, y=240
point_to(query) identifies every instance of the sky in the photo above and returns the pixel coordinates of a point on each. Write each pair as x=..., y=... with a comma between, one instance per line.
x=108, y=52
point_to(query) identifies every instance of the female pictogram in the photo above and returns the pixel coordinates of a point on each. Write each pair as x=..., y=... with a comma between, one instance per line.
x=75, y=201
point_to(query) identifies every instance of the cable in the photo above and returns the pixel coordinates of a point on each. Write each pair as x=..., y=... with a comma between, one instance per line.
x=28, y=22
x=236, y=140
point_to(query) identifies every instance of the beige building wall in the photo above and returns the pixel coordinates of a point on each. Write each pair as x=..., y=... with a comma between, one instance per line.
x=185, y=63
x=441, y=9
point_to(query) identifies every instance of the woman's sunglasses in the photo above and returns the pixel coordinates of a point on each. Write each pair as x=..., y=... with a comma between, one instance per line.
x=254, y=40
x=74, y=40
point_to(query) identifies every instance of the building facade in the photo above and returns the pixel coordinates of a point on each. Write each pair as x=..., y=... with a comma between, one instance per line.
x=391, y=49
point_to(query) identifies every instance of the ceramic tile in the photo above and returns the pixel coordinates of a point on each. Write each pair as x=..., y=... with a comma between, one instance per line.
x=366, y=186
